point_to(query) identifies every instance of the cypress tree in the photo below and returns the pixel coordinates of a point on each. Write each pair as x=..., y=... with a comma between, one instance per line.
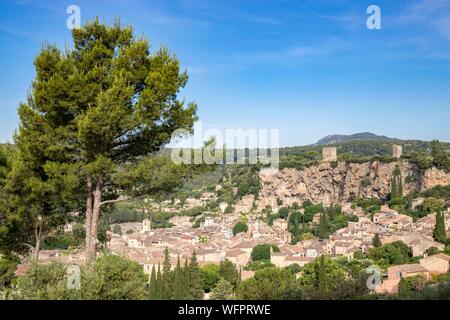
x=377, y=241
x=179, y=283
x=322, y=275
x=153, y=285
x=394, y=188
x=167, y=285
x=159, y=281
x=400, y=187
x=323, y=226
x=439, y=229
x=194, y=279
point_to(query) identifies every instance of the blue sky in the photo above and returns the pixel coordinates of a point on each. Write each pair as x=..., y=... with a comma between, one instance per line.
x=309, y=68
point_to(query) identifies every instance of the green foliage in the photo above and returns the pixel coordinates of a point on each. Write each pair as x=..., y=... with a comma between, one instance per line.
x=394, y=253
x=409, y=286
x=293, y=268
x=211, y=276
x=323, y=276
x=8, y=266
x=239, y=228
x=108, y=278
x=369, y=205
x=126, y=211
x=439, y=233
x=267, y=284
x=376, y=242
x=323, y=226
x=194, y=280
x=432, y=251
x=179, y=285
x=259, y=265
x=447, y=249
x=283, y=213
x=117, y=229
x=103, y=105
x=440, y=156
x=432, y=205
x=223, y=291
x=113, y=278
x=261, y=252
x=244, y=177
x=396, y=185
x=438, y=192
x=167, y=280
x=154, y=291
x=229, y=272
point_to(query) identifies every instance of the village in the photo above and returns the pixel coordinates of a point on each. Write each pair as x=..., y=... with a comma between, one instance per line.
x=213, y=239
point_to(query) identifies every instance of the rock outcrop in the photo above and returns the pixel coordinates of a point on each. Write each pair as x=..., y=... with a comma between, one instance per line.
x=325, y=183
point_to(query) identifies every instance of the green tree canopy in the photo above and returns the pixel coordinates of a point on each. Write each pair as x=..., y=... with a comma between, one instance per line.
x=267, y=284
x=262, y=252
x=97, y=107
x=240, y=227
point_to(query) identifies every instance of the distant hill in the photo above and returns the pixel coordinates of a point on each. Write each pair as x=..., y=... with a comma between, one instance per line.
x=363, y=136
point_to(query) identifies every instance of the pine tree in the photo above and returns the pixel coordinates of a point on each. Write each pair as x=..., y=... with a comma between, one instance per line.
x=439, y=229
x=167, y=285
x=223, y=291
x=376, y=241
x=322, y=275
x=99, y=106
x=194, y=280
x=179, y=291
x=153, y=285
x=228, y=271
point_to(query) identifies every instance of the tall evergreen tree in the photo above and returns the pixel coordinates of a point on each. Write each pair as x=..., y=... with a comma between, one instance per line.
x=194, y=279
x=322, y=275
x=439, y=233
x=396, y=184
x=159, y=281
x=228, y=271
x=179, y=289
x=323, y=226
x=100, y=106
x=167, y=285
x=394, y=188
x=153, y=285
x=376, y=241
x=223, y=291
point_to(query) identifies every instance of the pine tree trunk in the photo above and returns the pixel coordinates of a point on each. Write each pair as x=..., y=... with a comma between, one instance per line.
x=37, y=247
x=96, y=210
x=88, y=222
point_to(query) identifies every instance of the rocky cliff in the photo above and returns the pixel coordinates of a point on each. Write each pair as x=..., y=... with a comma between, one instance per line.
x=327, y=183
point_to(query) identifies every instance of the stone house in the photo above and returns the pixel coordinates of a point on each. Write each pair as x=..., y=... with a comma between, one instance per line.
x=419, y=246
x=437, y=264
x=396, y=273
x=283, y=235
x=238, y=257
x=280, y=224
x=135, y=241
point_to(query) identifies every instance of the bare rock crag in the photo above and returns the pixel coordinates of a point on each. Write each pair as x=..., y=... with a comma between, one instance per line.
x=327, y=183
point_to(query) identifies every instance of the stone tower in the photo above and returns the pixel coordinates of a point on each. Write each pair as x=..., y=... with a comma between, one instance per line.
x=397, y=151
x=146, y=225
x=329, y=154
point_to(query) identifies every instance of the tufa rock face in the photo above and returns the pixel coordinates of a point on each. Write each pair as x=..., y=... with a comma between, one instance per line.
x=323, y=183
